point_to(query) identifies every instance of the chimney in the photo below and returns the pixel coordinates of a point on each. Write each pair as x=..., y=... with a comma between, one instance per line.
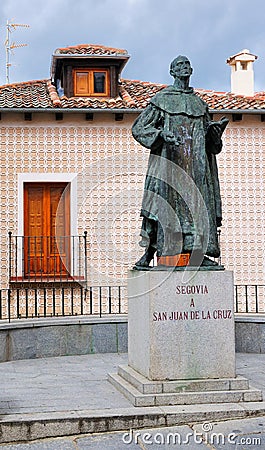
x=242, y=74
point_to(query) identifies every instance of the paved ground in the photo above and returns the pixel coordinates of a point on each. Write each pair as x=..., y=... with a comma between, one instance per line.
x=46, y=387
x=67, y=383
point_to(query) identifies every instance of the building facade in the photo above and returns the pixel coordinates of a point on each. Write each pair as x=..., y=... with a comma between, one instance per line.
x=72, y=180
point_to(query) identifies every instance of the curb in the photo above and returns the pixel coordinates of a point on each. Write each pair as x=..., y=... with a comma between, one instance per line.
x=28, y=427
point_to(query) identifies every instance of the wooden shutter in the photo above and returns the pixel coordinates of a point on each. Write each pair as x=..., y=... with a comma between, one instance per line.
x=46, y=229
x=81, y=83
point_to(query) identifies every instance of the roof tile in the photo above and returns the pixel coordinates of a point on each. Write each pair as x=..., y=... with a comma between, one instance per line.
x=29, y=94
x=133, y=94
x=90, y=49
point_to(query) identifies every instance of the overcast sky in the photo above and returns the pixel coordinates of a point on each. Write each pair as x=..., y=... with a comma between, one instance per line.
x=152, y=31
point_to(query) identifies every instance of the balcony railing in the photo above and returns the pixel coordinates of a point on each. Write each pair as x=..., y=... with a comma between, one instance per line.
x=48, y=258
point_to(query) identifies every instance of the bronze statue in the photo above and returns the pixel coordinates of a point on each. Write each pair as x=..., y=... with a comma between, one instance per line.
x=181, y=206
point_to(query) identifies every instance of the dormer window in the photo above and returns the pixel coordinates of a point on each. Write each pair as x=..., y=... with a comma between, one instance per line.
x=91, y=82
x=88, y=70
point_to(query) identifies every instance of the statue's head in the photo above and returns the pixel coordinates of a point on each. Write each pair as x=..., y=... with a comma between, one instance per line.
x=180, y=67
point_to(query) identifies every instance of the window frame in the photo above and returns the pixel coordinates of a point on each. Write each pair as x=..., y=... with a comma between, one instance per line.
x=90, y=79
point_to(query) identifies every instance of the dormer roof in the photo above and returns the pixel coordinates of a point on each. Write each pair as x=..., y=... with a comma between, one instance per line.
x=88, y=51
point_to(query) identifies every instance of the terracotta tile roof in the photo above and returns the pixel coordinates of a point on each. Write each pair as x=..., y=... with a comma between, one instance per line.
x=92, y=102
x=141, y=92
x=28, y=94
x=227, y=100
x=90, y=49
x=133, y=95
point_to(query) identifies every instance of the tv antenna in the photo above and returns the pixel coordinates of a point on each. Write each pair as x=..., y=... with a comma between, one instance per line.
x=11, y=45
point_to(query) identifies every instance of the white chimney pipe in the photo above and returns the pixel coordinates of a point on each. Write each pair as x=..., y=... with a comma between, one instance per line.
x=242, y=74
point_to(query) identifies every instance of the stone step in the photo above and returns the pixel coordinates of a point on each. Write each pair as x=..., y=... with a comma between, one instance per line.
x=137, y=398
x=146, y=386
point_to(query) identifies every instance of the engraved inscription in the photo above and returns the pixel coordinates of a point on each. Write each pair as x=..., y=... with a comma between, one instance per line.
x=216, y=314
x=192, y=289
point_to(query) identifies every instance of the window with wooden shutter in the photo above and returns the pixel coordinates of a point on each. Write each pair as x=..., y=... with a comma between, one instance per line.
x=46, y=229
x=91, y=82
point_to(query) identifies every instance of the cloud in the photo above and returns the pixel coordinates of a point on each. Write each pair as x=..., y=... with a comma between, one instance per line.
x=152, y=31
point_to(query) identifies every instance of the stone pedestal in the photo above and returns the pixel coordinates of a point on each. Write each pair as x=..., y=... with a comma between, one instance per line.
x=181, y=340
x=181, y=324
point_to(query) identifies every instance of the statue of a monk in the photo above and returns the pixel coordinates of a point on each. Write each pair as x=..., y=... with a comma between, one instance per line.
x=181, y=206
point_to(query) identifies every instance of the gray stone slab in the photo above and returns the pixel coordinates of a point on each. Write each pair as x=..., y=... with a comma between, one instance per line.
x=196, y=385
x=78, y=339
x=249, y=337
x=252, y=395
x=252, y=366
x=135, y=397
x=23, y=340
x=239, y=383
x=120, y=419
x=170, y=438
x=58, y=444
x=122, y=329
x=110, y=441
x=177, y=415
x=262, y=337
x=3, y=346
x=22, y=344
x=50, y=342
x=140, y=382
x=191, y=398
x=218, y=441
x=54, y=428
x=41, y=342
x=250, y=425
x=104, y=338
x=248, y=433
x=254, y=408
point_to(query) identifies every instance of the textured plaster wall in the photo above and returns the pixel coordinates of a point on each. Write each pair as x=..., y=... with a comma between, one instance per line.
x=111, y=168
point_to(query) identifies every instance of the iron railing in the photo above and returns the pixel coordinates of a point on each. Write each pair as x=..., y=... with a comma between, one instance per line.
x=76, y=300
x=48, y=258
x=61, y=301
x=250, y=298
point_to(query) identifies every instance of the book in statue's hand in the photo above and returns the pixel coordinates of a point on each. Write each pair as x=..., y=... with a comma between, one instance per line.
x=222, y=123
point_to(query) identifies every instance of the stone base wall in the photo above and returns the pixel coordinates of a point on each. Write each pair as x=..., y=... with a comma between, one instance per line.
x=42, y=338
x=250, y=333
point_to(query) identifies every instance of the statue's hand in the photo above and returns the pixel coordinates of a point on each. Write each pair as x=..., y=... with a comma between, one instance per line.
x=169, y=137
